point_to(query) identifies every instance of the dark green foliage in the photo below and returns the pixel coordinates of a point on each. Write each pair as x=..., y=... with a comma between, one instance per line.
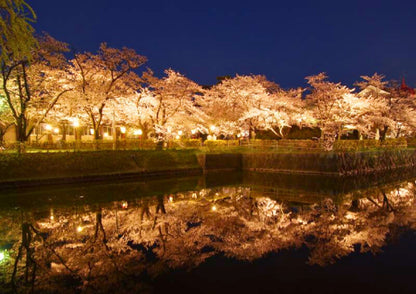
x=351, y=135
x=293, y=132
x=266, y=135
x=304, y=133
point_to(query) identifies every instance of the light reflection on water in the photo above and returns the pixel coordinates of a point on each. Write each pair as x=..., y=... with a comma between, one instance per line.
x=130, y=242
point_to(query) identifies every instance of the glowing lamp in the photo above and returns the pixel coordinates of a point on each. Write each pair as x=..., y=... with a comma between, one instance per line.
x=214, y=208
x=212, y=128
x=75, y=123
x=138, y=132
x=124, y=205
x=105, y=134
x=170, y=199
x=193, y=132
x=48, y=127
x=92, y=131
x=177, y=137
x=79, y=229
x=123, y=130
x=56, y=130
x=180, y=133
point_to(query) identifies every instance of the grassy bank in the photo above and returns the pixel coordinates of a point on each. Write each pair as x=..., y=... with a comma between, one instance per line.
x=107, y=165
x=331, y=163
x=34, y=166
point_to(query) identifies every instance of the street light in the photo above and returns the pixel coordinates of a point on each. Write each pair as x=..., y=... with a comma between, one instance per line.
x=138, y=132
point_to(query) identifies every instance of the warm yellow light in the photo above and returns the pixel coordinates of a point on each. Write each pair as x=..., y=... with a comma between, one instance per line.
x=214, y=208
x=238, y=135
x=214, y=137
x=209, y=137
x=170, y=198
x=48, y=127
x=177, y=137
x=92, y=131
x=193, y=132
x=180, y=133
x=194, y=195
x=79, y=229
x=75, y=123
x=56, y=130
x=123, y=130
x=105, y=134
x=124, y=205
x=212, y=128
x=52, y=217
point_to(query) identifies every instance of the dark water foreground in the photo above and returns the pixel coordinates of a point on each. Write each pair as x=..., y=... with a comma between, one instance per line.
x=228, y=233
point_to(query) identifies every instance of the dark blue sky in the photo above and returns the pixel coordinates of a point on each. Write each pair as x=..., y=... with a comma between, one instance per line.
x=285, y=40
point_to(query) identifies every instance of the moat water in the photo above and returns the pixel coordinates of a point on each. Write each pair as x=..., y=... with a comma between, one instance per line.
x=222, y=233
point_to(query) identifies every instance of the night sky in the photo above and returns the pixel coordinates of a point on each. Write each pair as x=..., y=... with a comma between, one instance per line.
x=285, y=40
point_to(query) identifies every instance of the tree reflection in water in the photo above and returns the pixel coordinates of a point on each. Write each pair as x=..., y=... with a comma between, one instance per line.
x=129, y=243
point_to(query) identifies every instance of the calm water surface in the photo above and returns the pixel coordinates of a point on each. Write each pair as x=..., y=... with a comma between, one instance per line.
x=235, y=233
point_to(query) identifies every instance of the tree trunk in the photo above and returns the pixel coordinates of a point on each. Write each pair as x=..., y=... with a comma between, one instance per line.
x=383, y=133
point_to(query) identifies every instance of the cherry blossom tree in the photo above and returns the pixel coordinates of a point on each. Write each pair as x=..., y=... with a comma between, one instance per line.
x=250, y=103
x=278, y=112
x=100, y=78
x=226, y=103
x=325, y=99
x=390, y=109
x=31, y=89
x=168, y=105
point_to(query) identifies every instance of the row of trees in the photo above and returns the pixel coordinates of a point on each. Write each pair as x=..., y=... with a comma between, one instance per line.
x=43, y=80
